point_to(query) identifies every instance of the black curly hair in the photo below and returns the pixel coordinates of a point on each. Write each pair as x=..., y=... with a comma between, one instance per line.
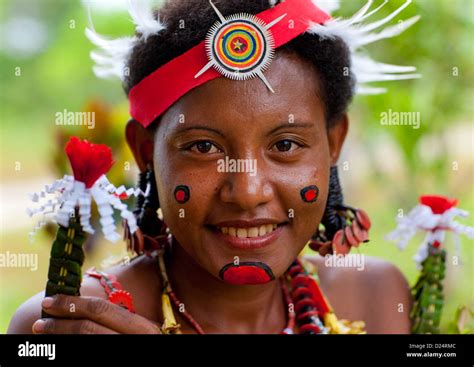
x=187, y=23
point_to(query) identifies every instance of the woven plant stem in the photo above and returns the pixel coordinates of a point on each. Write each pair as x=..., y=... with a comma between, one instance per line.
x=428, y=293
x=65, y=264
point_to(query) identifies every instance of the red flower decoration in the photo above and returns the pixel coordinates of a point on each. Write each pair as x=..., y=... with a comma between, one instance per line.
x=438, y=204
x=88, y=161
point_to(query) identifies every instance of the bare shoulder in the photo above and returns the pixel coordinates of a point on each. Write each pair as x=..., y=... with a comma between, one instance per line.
x=132, y=276
x=373, y=290
x=140, y=277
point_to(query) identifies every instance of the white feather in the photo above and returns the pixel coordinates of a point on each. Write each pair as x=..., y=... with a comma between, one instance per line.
x=375, y=25
x=142, y=14
x=373, y=11
x=112, y=56
x=388, y=32
x=355, y=33
x=367, y=70
x=328, y=6
x=359, y=16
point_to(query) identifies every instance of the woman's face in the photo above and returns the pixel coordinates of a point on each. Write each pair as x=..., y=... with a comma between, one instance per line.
x=245, y=155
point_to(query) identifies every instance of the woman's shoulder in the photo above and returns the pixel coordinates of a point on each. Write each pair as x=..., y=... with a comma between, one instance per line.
x=368, y=289
x=359, y=268
x=140, y=277
x=130, y=274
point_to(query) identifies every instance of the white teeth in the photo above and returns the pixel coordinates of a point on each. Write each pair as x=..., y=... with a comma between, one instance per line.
x=249, y=232
x=241, y=232
x=252, y=232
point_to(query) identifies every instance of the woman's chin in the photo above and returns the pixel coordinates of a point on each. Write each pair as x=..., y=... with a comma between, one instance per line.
x=248, y=260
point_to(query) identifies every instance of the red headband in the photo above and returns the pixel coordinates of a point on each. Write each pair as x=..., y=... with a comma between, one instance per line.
x=159, y=90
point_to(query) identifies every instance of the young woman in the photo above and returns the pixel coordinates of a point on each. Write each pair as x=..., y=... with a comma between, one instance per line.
x=225, y=250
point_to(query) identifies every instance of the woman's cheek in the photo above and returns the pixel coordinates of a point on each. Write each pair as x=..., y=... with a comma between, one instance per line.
x=183, y=201
x=309, y=195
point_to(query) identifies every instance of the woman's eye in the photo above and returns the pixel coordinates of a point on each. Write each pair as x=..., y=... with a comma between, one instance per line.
x=286, y=145
x=204, y=147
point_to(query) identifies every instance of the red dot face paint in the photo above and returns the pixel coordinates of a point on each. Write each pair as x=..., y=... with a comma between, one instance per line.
x=310, y=194
x=246, y=273
x=181, y=193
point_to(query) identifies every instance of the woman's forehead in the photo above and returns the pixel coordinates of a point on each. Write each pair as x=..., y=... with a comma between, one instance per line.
x=296, y=94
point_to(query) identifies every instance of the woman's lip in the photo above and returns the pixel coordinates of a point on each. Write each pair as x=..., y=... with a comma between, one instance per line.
x=247, y=223
x=248, y=243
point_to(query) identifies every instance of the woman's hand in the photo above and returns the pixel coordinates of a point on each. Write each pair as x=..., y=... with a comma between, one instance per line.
x=90, y=315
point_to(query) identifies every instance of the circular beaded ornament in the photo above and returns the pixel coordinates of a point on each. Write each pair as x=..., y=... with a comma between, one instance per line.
x=240, y=48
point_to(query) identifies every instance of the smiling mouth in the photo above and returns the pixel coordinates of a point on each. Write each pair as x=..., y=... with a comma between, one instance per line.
x=247, y=238
x=248, y=232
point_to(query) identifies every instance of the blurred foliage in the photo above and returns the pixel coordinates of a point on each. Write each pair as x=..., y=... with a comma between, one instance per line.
x=441, y=46
x=60, y=77
x=463, y=322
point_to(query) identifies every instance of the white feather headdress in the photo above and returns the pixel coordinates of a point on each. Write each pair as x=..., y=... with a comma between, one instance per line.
x=111, y=58
x=355, y=31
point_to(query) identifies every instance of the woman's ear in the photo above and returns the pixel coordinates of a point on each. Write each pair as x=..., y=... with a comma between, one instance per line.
x=141, y=143
x=336, y=135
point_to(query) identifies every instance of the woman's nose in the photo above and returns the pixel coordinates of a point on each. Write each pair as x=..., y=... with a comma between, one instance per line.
x=247, y=188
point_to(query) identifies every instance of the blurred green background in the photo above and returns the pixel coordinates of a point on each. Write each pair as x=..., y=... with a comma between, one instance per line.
x=45, y=68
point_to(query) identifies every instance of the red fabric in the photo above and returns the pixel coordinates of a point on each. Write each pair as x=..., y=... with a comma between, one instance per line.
x=88, y=161
x=246, y=274
x=159, y=90
x=438, y=204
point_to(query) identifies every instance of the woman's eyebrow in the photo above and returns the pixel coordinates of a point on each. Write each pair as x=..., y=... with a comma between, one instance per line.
x=304, y=125
x=199, y=127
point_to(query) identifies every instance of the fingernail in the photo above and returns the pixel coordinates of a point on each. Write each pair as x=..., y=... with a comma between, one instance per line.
x=38, y=326
x=47, y=302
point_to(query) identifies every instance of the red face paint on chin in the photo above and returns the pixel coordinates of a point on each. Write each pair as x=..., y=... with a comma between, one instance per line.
x=246, y=273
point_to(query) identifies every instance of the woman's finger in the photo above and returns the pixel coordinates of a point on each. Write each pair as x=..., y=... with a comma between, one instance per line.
x=62, y=326
x=100, y=311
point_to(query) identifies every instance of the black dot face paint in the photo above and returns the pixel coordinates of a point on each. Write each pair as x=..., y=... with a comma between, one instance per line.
x=181, y=193
x=245, y=273
x=309, y=194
